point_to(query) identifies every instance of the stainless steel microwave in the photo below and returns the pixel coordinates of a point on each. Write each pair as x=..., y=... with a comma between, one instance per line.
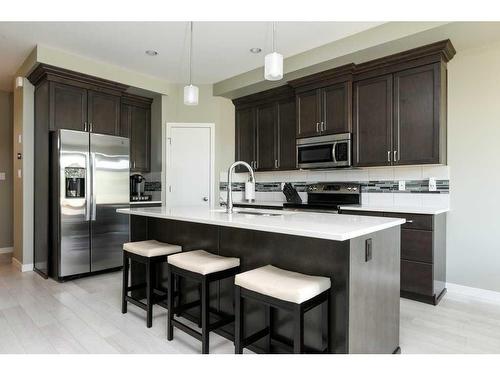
x=328, y=151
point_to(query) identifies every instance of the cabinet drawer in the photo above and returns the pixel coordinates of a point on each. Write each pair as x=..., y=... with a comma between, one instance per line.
x=416, y=245
x=416, y=277
x=413, y=221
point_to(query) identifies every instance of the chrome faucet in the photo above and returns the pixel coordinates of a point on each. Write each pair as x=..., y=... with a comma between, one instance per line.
x=229, y=204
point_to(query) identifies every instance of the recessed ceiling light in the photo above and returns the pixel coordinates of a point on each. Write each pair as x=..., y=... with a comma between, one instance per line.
x=255, y=50
x=151, y=52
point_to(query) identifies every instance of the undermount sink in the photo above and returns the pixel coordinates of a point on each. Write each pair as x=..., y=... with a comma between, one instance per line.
x=249, y=212
x=256, y=213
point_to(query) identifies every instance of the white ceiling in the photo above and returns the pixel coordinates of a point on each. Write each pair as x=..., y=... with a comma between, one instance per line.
x=221, y=49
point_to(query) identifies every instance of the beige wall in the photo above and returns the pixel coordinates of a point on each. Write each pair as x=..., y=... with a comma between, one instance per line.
x=211, y=109
x=474, y=160
x=6, y=129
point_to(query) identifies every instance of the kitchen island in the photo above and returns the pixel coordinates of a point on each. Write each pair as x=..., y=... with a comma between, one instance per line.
x=360, y=254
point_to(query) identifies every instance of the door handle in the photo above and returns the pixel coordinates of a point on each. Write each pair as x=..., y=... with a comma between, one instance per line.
x=88, y=196
x=333, y=152
x=205, y=199
x=94, y=203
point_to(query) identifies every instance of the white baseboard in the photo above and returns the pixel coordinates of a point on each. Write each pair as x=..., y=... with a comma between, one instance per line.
x=22, y=267
x=483, y=294
x=6, y=250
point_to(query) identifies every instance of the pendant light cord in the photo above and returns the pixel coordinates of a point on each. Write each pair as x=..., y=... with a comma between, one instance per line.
x=274, y=36
x=190, y=51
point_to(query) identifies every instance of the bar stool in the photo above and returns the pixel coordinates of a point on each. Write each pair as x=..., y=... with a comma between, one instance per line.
x=149, y=253
x=204, y=268
x=277, y=288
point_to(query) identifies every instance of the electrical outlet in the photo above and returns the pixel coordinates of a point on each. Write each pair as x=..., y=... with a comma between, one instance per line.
x=432, y=184
x=2, y=176
x=19, y=173
x=402, y=185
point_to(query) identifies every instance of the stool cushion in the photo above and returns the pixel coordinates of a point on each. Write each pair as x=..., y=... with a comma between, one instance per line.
x=151, y=248
x=281, y=284
x=202, y=262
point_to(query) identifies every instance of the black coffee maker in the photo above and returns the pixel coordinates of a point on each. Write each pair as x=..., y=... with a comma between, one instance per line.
x=136, y=186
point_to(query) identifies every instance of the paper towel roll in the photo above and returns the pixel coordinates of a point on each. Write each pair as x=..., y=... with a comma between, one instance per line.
x=250, y=191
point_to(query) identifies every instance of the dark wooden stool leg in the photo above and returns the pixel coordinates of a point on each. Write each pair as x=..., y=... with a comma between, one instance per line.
x=149, y=294
x=205, y=300
x=200, y=296
x=238, y=326
x=170, y=299
x=177, y=281
x=326, y=317
x=125, y=283
x=269, y=324
x=298, y=330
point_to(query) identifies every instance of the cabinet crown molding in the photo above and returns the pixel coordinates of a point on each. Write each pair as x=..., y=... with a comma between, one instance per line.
x=54, y=73
x=442, y=51
x=325, y=78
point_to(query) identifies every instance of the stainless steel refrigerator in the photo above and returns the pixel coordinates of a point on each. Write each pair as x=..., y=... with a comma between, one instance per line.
x=89, y=182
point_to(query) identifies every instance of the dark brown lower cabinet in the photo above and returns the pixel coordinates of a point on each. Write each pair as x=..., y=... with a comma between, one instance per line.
x=423, y=254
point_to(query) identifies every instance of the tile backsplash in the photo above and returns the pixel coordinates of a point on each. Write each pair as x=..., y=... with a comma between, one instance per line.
x=380, y=186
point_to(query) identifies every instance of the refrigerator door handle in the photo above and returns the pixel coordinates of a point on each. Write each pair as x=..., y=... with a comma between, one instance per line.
x=92, y=194
x=87, y=187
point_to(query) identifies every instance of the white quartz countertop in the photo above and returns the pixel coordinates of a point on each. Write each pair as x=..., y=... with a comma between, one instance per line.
x=316, y=225
x=399, y=209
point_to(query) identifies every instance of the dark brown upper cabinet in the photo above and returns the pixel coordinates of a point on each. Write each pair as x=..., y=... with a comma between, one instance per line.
x=308, y=114
x=324, y=111
x=266, y=137
x=372, y=135
x=400, y=118
x=245, y=136
x=419, y=122
x=135, y=124
x=336, y=106
x=103, y=113
x=68, y=107
x=324, y=102
x=265, y=130
x=287, y=154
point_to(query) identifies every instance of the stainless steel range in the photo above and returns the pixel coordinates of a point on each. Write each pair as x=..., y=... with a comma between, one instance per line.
x=328, y=197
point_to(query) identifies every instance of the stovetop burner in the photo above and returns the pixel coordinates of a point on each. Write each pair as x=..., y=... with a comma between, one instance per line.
x=328, y=197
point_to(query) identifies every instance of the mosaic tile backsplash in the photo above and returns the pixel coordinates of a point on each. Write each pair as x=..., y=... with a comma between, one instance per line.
x=412, y=186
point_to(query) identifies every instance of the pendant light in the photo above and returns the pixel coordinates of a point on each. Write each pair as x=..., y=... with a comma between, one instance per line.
x=273, y=63
x=190, y=91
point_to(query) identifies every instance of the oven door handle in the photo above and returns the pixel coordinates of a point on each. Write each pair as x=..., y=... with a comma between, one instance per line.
x=334, y=146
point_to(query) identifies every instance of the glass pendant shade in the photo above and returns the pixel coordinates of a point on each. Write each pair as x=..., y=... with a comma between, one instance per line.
x=273, y=67
x=191, y=95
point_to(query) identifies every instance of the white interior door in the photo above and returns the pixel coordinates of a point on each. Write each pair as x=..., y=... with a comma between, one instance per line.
x=189, y=171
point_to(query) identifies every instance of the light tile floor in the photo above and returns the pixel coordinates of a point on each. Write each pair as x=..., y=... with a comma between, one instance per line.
x=84, y=316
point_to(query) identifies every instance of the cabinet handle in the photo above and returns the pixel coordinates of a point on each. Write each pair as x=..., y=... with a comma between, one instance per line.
x=85, y=126
x=388, y=156
x=275, y=163
x=317, y=127
x=90, y=127
x=323, y=128
x=409, y=221
x=395, y=155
